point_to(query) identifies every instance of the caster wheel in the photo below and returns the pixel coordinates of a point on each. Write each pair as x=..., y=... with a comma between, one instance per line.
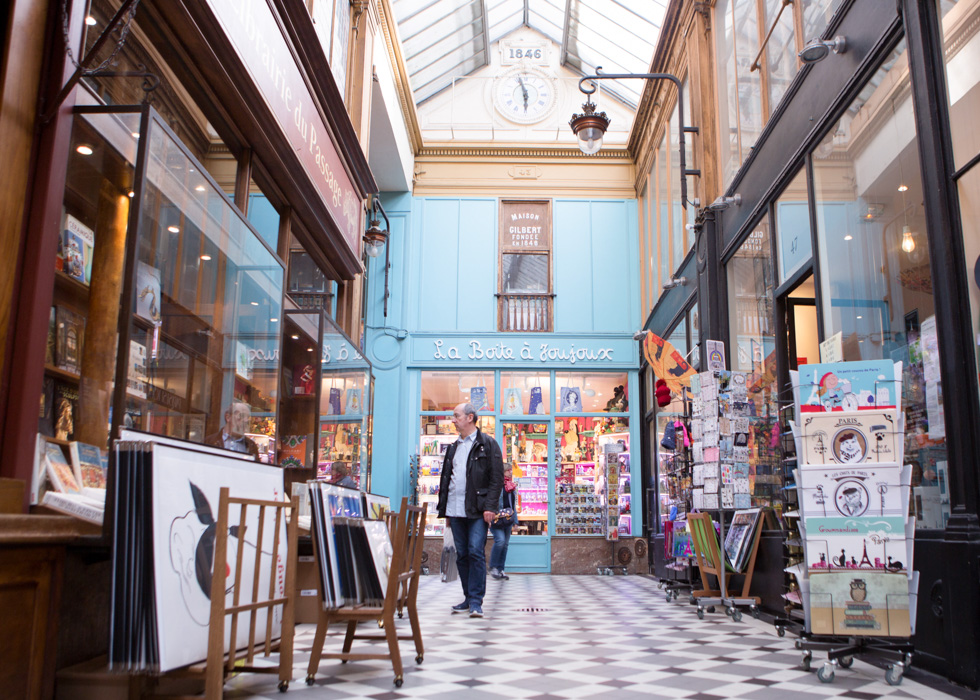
x=729, y=612
x=893, y=676
x=660, y=585
x=418, y=659
x=692, y=600
x=780, y=631
x=756, y=613
x=283, y=686
x=309, y=680
x=826, y=673
x=398, y=682
x=343, y=661
x=668, y=596
x=401, y=615
x=737, y=615
x=711, y=609
x=845, y=661
x=805, y=661
x=700, y=613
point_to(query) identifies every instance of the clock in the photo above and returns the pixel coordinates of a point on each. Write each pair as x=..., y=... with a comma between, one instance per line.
x=524, y=96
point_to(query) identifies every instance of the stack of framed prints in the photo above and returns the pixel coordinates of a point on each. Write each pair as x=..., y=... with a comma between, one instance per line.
x=164, y=531
x=353, y=552
x=853, y=488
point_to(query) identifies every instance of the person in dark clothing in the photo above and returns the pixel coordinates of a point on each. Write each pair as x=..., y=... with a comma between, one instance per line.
x=469, y=490
x=501, y=530
x=232, y=435
x=341, y=475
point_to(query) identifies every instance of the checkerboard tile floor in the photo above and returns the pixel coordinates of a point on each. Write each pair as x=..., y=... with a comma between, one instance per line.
x=567, y=637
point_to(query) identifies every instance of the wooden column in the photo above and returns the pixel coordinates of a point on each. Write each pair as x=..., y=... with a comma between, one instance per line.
x=99, y=349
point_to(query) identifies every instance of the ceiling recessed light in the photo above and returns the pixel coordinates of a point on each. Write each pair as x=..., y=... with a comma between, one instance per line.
x=200, y=188
x=90, y=21
x=273, y=320
x=85, y=149
x=173, y=229
x=254, y=303
x=205, y=257
x=860, y=317
x=903, y=188
x=294, y=337
x=309, y=349
x=131, y=194
x=848, y=237
x=136, y=134
x=190, y=170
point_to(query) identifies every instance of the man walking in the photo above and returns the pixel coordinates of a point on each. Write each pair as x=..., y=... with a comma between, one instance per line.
x=469, y=492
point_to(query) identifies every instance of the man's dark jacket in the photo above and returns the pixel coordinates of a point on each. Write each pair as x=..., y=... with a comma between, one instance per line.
x=484, y=477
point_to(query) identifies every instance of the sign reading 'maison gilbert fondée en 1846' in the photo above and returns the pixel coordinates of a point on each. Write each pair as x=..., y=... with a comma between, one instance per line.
x=525, y=225
x=252, y=28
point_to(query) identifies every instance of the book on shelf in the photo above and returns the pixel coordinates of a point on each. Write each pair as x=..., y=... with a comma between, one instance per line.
x=65, y=410
x=52, y=341
x=78, y=506
x=60, y=471
x=78, y=240
x=70, y=334
x=86, y=462
x=137, y=379
x=45, y=418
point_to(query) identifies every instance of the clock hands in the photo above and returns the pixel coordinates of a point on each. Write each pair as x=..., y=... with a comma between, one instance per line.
x=520, y=80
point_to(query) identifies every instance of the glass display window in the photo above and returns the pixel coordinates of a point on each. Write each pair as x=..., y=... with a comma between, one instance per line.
x=580, y=481
x=525, y=393
x=443, y=391
x=876, y=285
x=577, y=392
x=525, y=448
x=753, y=351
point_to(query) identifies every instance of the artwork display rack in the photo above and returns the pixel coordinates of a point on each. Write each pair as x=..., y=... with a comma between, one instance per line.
x=862, y=602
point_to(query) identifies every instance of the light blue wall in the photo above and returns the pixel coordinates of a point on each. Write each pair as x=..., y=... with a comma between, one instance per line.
x=443, y=281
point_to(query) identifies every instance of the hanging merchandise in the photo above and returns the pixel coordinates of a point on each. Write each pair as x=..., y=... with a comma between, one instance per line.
x=571, y=399
x=669, y=440
x=537, y=405
x=667, y=363
x=478, y=397
x=663, y=393
x=513, y=405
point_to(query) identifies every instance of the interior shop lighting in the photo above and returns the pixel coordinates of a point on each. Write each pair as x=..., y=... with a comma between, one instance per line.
x=205, y=257
x=908, y=242
x=90, y=21
x=85, y=149
x=199, y=188
x=818, y=49
x=590, y=126
x=131, y=194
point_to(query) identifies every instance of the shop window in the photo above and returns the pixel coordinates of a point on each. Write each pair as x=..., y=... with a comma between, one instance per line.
x=307, y=286
x=753, y=351
x=590, y=393
x=793, y=241
x=525, y=280
x=331, y=19
x=580, y=480
x=263, y=216
x=876, y=286
x=962, y=40
x=443, y=391
x=663, y=212
x=525, y=393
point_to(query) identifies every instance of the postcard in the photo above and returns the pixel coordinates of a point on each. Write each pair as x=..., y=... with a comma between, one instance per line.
x=853, y=437
x=849, y=386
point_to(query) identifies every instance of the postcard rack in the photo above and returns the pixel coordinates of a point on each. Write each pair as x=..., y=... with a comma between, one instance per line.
x=857, y=585
x=679, y=556
x=720, y=429
x=674, y=482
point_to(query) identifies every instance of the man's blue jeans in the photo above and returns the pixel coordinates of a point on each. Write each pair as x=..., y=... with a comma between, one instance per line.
x=470, y=536
x=501, y=540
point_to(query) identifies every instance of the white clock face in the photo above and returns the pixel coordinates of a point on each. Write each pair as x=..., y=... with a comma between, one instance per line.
x=524, y=97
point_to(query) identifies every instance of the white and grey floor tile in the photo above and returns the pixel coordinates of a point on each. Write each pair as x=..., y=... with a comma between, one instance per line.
x=568, y=637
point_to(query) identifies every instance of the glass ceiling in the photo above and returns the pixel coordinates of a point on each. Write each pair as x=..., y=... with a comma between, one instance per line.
x=447, y=39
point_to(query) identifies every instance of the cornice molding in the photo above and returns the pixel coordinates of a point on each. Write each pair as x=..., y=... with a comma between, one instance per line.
x=518, y=152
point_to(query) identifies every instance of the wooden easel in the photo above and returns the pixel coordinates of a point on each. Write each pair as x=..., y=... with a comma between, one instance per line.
x=711, y=561
x=407, y=528
x=218, y=668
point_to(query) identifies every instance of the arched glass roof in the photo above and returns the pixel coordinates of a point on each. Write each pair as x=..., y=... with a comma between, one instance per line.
x=447, y=39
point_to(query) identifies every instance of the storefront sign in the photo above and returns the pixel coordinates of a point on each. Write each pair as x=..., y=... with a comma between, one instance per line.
x=525, y=225
x=254, y=30
x=492, y=350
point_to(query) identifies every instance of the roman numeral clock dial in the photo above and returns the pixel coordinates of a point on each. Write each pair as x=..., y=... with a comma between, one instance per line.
x=524, y=96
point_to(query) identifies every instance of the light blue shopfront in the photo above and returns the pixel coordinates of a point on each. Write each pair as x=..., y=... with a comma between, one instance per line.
x=442, y=317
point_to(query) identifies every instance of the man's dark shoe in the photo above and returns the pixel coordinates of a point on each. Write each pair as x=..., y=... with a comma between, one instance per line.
x=503, y=576
x=476, y=611
x=497, y=574
x=462, y=607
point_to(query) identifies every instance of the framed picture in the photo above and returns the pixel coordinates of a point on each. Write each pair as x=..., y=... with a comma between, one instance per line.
x=430, y=428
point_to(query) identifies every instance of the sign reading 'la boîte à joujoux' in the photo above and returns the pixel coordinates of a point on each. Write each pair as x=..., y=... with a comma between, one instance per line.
x=254, y=30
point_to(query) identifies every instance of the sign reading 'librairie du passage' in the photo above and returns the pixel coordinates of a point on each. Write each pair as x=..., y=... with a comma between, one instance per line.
x=525, y=225
x=254, y=31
